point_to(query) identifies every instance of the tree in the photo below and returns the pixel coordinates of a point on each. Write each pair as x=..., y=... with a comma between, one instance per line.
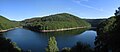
x=7, y=24
x=66, y=49
x=7, y=46
x=108, y=35
x=117, y=12
x=80, y=47
x=52, y=45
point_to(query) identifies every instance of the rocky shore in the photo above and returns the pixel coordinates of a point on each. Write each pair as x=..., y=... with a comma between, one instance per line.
x=61, y=29
x=1, y=31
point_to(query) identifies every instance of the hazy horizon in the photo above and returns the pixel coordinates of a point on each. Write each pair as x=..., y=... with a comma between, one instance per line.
x=86, y=9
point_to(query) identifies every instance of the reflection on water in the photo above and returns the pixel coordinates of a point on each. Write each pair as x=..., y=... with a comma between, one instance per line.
x=37, y=42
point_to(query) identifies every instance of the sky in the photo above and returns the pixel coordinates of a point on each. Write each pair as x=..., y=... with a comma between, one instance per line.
x=24, y=9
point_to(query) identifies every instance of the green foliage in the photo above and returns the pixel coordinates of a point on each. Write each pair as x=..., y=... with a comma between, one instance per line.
x=109, y=35
x=80, y=47
x=52, y=45
x=7, y=46
x=53, y=22
x=16, y=47
x=94, y=22
x=66, y=49
x=6, y=24
x=108, y=25
x=117, y=12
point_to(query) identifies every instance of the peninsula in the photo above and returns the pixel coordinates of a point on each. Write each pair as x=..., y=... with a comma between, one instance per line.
x=56, y=22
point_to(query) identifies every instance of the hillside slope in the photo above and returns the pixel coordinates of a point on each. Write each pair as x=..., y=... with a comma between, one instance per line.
x=109, y=35
x=53, y=22
x=94, y=22
x=6, y=23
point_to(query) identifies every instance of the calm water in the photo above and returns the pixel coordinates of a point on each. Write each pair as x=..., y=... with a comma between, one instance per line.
x=37, y=42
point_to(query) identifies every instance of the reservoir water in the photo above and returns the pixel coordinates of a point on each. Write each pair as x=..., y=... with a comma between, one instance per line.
x=37, y=42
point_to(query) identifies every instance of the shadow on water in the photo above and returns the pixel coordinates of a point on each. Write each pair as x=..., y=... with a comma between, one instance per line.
x=93, y=28
x=65, y=33
x=37, y=42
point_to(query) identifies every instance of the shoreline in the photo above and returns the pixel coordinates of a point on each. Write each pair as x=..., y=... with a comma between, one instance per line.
x=64, y=29
x=2, y=31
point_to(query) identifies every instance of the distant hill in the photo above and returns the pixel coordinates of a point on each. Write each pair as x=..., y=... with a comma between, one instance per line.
x=94, y=22
x=6, y=23
x=53, y=22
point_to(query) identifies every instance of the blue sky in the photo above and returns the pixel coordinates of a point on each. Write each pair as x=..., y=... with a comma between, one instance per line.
x=23, y=9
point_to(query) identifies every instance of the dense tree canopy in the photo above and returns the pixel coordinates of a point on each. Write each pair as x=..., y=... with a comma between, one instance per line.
x=6, y=23
x=53, y=22
x=7, y=46
x=52, y=45
x=79, y=47
x=117, y=12
x=94, y=22
x=109, y=35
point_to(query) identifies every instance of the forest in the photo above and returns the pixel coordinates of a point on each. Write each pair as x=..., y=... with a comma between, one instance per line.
x=6, y=45
x=7, y=24
x=94, y=22
x=108, y=35
x=53, y=22
x=107, y=40
x=107, y=32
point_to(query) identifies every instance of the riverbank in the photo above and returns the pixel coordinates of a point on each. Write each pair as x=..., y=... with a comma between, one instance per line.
x=2, y=31
x=64, y=29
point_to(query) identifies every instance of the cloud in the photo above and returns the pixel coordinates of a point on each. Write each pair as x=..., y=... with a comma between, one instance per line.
x=79, y=2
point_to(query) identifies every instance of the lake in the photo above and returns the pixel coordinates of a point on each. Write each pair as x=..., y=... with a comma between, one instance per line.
x=37, y=42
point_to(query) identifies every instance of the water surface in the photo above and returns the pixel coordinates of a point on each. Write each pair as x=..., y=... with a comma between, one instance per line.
x=37, y=42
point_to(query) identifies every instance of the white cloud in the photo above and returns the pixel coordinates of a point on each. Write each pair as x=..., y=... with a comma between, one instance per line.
x=91, y=7
x=82, y=0
x=79, y=2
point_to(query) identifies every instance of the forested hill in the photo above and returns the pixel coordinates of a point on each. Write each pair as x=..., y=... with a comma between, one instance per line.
x=94, y=22
x=109, y=35
x=6, y=23
x=53, y=22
